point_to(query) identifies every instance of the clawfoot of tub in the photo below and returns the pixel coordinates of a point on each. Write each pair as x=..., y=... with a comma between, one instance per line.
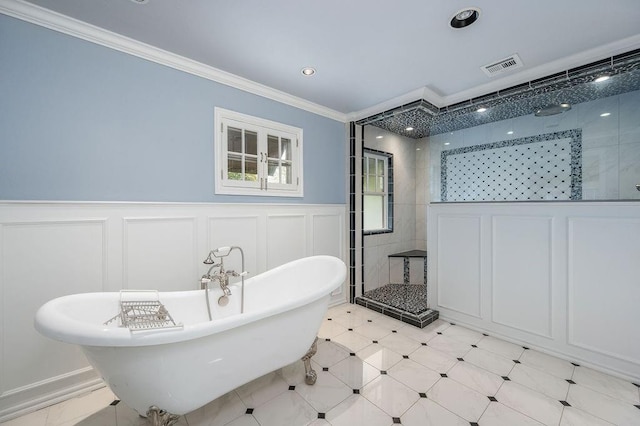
x=310, y=373
x=158, y=417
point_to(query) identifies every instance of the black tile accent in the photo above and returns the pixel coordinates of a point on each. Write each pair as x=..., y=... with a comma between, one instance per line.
x=329, y=319
x=525, y=348
x=292, y=388
x=374, y=341
x=325, y=368
x=460, y=359
x=636, y=385
x=321, y=415
x=473, y=424
x=396, y=420
x=443, y=375
x=516, y=361
x=394, y=331
x=438, y=332
x=356, y=391
x=348, y=312
x=637, y=406
x=474, y=346
x=492, y=399
x=352, y=354
x=115, y=402
x=249, y=411
x=405, y=356
x=565, y=403
x=452, y=323
x=423, y=344
x=575, y=365
x=350, y=329
x=369, y=321
x=383, y=372
x=485, y=334
x=327, y=340
x=571, y=382
x=422, y=395
x=505, y=378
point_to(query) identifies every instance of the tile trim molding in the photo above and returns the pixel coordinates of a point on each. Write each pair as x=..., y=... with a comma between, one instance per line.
x=66, y=25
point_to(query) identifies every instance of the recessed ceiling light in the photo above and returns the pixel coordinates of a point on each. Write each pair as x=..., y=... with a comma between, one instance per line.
x=447, y=143
x=408, y=129
x=308, y=71
x=465, y=17
x=379, y=137
x=605, y=114
x=481, y=109
x=510, y=132
x=602, y=78
x=140, y=1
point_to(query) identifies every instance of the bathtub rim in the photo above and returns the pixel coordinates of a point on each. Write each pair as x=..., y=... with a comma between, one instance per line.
x=53, y=323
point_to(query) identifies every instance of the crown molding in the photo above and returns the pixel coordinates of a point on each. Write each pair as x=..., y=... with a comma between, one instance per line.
x=46, y=18
x=524, y=76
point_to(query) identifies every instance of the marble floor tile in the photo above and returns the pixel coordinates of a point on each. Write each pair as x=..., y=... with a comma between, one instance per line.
x=261, y=390
x=354, y=372
x=498, y=414
x=372, y=331
x=500, y=347
x=465, y=335
x=379, y=357
x=476, y=378
x=398, y=343
x=288, y=408
x=459, y=399
x=427, y=413
x=37, y=418
x=572, y=416
x=451, y=346
x=352, y=341
x=547, y=384
x=604, y=407
x=391, y=396
x=220, y=411
x=329, y=353
x=357, y=410
x=547, y=363
x=439, y=362
x=530, y=403
x=416, y=376
x=489, y=361
x=606, y=384
x=326, y=393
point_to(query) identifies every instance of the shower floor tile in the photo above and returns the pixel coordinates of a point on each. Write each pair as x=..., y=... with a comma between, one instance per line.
x=439, y=379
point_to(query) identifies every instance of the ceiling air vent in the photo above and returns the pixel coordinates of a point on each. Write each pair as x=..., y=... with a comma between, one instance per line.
x=503, y=65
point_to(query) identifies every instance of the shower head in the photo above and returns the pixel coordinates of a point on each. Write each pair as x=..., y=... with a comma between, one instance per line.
x=552, y=109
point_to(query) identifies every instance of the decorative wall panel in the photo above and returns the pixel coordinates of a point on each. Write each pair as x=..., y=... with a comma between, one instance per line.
x=543, y=167
x=459, y=264
x=521, y=283
x=604, y=285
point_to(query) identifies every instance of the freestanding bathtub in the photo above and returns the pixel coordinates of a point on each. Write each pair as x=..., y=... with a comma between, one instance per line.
x=182, y=369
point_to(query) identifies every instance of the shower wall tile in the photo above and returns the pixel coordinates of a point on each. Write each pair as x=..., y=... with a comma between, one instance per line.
x=499, y=130
x=600, y=173
x=592, y=123
x=630, y=117
x=556, y=123
x=629, y=171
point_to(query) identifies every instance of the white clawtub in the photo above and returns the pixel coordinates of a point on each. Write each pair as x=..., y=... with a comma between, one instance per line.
x=180, y=370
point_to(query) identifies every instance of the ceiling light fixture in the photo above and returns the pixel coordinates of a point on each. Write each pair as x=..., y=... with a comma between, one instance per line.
x=308, y=71
x=605, y=114
x=481, y=109
x=510, y=132
x=447, y=143
x=465, y=17
x=140, y=1
x=602, y=78
x=408, y=129
x=379, y=137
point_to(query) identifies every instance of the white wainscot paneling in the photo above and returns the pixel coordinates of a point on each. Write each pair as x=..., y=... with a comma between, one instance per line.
x=328, y=234
x=458, y=263
x=286, y=239
x=239, y=231
x=604, y=286
x=160, y=253
x=41, y=261
x=521, y=282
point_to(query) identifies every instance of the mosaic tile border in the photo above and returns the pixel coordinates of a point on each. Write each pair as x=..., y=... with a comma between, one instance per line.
x=419, y=321
x=576, y=157
x=572, y=86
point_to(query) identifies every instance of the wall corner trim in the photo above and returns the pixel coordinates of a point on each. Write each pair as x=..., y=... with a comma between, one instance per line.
x=64, y=24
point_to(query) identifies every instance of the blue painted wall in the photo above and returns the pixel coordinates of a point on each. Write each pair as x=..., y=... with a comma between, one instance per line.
x=83, y=122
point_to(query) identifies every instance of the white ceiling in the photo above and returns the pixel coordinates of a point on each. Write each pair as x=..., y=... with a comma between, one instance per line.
x=372, y=54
